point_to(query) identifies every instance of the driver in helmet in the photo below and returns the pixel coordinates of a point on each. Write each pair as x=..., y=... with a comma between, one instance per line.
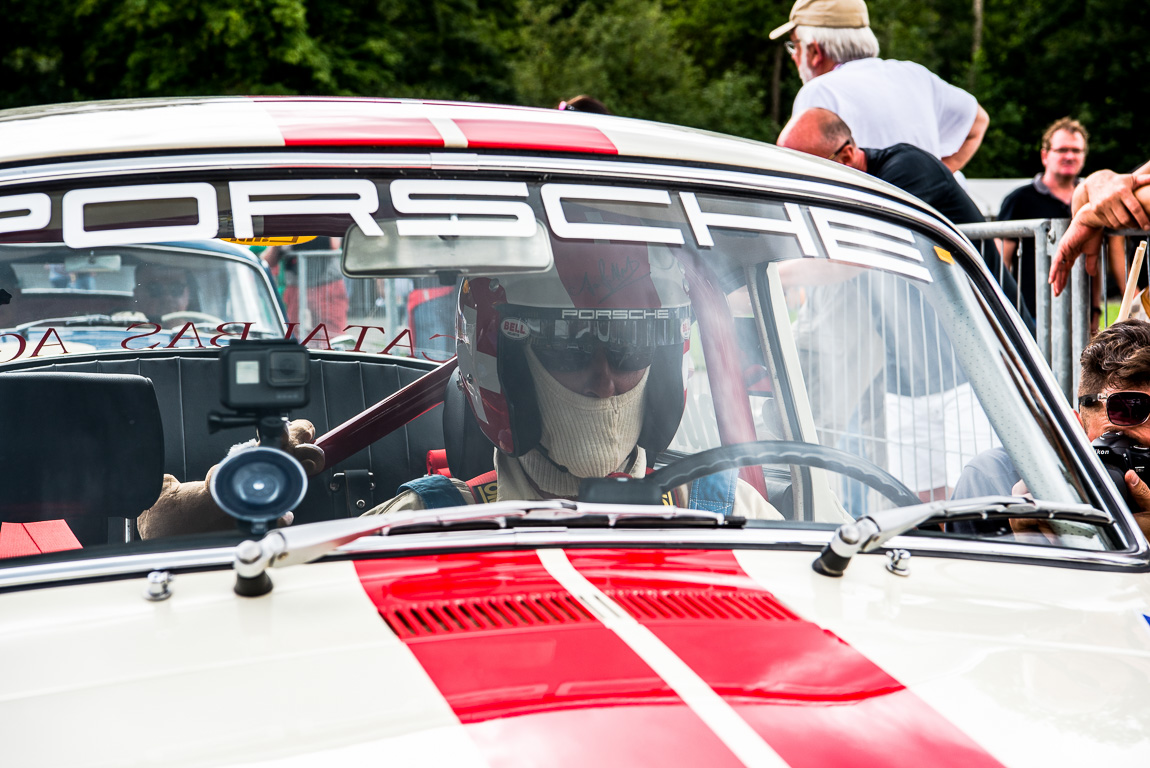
x=575, y=373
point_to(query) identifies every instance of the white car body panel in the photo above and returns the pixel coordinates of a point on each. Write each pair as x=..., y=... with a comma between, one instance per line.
x=984, y=643
x=310, y=673
x=307, y=677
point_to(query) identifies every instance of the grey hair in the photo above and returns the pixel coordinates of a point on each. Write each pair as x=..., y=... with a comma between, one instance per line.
x=840, y=44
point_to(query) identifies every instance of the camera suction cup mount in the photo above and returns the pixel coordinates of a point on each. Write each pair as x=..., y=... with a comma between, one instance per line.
x=257, y=486
x=261, y=380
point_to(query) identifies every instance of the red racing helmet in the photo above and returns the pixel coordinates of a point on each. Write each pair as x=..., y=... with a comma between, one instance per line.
x=630, y=299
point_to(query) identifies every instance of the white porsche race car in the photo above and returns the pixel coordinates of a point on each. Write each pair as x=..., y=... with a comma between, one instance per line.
x=676, y=449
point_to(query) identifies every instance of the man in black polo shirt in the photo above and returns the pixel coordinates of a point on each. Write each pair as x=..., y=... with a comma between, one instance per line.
x=821, y=132
x=906, y=392
x=1047, y=196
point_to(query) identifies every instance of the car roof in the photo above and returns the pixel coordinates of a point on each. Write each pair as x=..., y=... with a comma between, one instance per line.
x=149, y=126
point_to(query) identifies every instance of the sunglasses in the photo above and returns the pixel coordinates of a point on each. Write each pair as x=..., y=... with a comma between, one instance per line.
x=1123, y=409
x=834, y=155
x=578, y=356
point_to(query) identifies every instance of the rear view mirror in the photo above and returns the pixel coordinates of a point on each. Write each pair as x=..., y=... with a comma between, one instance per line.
x=92, y=262
x=396, y=255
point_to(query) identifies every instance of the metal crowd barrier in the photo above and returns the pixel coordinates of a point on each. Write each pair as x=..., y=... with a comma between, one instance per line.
x=1063, y=324
x=315, y=270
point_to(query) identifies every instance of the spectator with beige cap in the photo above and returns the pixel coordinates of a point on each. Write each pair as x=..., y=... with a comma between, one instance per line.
x=883, y=101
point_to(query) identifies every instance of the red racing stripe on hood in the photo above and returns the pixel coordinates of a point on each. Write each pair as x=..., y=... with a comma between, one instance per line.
x=813, y=698
x=535, y=678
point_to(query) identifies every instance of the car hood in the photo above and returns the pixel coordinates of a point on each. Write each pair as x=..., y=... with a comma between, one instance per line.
x=585, y=656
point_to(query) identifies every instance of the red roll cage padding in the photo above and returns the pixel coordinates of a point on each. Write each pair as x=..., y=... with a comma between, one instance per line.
x=724, y=369
x=389, y=414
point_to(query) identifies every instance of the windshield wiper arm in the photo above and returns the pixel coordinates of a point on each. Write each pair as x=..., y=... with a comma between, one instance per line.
x=92, y=319
x=302, y=544
x=876, y=529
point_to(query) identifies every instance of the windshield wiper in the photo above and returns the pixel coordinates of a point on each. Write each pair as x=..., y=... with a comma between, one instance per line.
x=93, y=319
x=874, y=530
x=302, y=544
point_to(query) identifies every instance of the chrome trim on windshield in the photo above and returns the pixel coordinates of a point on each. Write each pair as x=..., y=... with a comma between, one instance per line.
x=120, y=565
x=766, y=538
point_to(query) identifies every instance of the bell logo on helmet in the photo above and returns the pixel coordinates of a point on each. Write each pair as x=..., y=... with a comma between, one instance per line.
x=514, y=328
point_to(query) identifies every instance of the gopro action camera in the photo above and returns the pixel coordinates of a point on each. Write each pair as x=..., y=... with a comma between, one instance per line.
x=264, y=375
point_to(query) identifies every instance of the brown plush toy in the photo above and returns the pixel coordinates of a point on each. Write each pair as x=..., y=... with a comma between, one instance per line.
x=189, y=508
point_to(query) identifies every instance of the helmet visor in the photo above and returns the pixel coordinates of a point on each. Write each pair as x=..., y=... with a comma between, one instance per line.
x=567, y=339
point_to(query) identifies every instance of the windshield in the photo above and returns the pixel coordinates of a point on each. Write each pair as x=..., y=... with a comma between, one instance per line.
x=64, y=300
x=638, y=325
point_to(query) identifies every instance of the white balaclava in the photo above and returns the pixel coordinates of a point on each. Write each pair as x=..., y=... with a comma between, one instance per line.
x=588, y=436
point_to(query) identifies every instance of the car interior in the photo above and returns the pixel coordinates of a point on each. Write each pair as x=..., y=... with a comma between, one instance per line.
x=176, y=390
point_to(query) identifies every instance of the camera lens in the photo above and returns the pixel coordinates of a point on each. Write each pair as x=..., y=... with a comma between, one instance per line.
x=259, y=483
x=288, y=368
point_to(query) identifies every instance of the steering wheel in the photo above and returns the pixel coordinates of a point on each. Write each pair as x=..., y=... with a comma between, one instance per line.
x=189, y=316
x=783, y=452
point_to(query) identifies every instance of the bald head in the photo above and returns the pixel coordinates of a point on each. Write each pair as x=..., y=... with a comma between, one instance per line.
x=822, y=133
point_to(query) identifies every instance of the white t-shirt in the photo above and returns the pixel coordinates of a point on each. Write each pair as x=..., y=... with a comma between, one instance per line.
x=887, y=102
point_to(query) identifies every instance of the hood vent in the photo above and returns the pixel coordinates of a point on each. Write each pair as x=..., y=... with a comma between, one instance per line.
x=428, y=619
x=498, y=613
x=691, y=604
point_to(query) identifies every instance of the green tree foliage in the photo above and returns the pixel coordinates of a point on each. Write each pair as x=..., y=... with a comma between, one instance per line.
x=626, y=53
x=731, y=36
x=1051, y=58
x=706, y=63
x=446, y=49
x=106, y=49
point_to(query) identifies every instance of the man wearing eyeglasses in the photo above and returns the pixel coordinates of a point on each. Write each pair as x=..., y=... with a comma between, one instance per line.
x=884, y=101
x=822, y=133
x=1047, y=196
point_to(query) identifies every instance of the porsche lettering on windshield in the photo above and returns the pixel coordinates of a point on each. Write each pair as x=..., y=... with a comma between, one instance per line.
x=103, y=216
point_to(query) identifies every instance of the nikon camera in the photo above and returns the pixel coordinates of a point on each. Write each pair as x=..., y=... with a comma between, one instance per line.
x=1120, y=452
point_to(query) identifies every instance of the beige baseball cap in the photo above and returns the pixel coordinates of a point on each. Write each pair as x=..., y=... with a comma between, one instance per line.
x=826, y=13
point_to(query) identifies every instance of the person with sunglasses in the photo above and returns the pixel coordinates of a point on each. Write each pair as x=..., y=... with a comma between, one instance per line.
x=577, y=372
x=1113, y=396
